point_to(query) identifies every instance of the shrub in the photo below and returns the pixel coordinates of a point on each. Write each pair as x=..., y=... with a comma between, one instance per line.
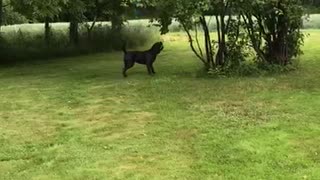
x=23, y=44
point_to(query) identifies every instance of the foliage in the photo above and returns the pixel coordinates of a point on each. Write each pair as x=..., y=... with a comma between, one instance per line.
x=11, y=17
x=28, y=45
x=38, y=10
x=272, y=28
x=278, y=24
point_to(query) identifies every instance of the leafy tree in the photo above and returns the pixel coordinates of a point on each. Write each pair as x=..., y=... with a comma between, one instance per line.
x=74, y=13
x=92, y=14
x=39, y=10
x=3, y=4
x=191, y=15
x=103, y=10
x=84, y=11
x=274, y=28
x=8, y=15
x=271, y=26
x=115, y=11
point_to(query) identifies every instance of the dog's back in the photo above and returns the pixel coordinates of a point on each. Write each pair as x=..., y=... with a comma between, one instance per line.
x=136, y=56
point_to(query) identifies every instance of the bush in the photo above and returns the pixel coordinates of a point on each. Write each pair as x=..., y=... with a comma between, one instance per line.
x=278, y=69
x=250, y=69
x=23, y=44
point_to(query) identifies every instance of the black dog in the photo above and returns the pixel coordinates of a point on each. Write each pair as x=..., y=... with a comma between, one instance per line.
x=141, y=57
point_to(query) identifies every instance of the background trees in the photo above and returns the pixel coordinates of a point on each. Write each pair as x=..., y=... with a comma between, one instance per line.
x=270, y=28
x=38, y=10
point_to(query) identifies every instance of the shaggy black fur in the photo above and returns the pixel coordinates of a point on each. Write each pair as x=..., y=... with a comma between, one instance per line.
x=141, y=57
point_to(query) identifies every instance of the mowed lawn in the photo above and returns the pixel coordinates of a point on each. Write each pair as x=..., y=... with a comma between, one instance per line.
x=78, y=118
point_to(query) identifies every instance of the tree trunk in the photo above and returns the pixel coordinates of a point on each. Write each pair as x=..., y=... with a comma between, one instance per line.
x=116, y=24
x=74, y=32
x=221, y=27
x=222, y=46
x=116, y=28
x=278, y=47
x=208, y=45
x=90, y=28
x=47, y=30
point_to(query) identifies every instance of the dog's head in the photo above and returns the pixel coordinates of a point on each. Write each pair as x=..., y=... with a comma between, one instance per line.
x=157, y=47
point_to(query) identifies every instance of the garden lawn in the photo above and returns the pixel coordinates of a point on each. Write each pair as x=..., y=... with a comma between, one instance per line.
x=78, y=118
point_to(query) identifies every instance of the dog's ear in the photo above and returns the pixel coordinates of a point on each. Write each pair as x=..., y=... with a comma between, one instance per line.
x=157, y=47
x=161, y=46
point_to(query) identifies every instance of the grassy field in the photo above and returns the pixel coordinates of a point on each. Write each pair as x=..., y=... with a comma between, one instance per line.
x=78, y=118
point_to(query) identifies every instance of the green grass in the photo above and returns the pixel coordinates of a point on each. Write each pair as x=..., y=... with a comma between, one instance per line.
x=78, y=118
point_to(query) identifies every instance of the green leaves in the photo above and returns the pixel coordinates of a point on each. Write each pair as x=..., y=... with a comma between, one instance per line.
x=276, y=22
x=38, y=9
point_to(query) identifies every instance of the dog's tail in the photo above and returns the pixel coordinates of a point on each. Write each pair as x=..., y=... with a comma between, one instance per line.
x=124, y=47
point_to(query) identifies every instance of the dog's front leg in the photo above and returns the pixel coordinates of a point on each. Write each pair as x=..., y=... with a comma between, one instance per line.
x=128, y=63
x=149, y=67
x=124, y=72
x=152, y=69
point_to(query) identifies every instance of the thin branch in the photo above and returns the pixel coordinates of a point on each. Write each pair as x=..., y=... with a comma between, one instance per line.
x=250, y=29
x=93, y=23
x=218, y=29
x=191, y=43
x=230, y=17
x=197, y=39
x=207, y=40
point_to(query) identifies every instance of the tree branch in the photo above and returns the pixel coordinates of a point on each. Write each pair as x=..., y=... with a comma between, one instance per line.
x=191, y=43
x=197, y=39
